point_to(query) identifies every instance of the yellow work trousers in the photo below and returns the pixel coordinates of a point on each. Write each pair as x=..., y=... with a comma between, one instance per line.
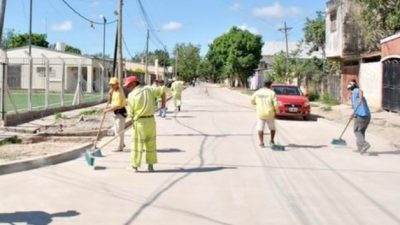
x=144, y=140
x=177, y=97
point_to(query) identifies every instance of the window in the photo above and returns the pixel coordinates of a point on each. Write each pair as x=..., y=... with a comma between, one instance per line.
x=42, y=71
x=333, y=20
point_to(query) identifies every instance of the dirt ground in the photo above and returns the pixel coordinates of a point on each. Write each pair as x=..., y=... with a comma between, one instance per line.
x=39, y=146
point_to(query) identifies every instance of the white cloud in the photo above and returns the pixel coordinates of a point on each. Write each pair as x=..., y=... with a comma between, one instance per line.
x=235, y=7
x=95, y=4
x=251, y=29
x=276, y=11
x=63, y=26
x=172, y=26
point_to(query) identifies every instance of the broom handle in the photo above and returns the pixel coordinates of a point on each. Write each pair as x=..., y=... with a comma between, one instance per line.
x=115, y=137
x=351, y=118
x=101, y=123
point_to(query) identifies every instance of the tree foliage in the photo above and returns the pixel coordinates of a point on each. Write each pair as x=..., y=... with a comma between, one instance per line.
x=314, y=33
x=162, y=56
x=71, y=49
x=19, y=40
x=188, y=60
x=236, y=54
x=379, y=19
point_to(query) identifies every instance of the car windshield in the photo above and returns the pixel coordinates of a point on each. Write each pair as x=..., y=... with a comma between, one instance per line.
x=285, y=90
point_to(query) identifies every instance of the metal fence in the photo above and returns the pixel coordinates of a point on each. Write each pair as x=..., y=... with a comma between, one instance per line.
x=42, y=83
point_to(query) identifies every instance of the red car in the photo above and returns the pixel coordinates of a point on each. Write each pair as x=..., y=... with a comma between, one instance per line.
x=291, y=101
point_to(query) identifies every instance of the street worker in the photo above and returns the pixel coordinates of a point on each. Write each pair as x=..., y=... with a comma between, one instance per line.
x=177, y=88
x=163, y=93
x=117, y=103
x=141, y=110
x=362, y=116
x=266, y=104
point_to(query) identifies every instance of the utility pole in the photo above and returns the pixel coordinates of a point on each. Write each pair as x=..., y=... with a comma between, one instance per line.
x=120, y=62
x=147, y=78
x=285, y=30
x=3, y=61
x=176, y=62
x=30, y=59
x=103, y=75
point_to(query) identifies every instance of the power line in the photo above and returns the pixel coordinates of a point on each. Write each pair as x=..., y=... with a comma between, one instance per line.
x=85, y=18
x=126, y=47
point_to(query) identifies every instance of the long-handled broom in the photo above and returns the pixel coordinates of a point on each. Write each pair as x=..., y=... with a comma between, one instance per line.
x=89, y=157
x=340, y=141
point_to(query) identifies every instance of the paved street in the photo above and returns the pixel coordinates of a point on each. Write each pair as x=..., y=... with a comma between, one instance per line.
x=211, y=171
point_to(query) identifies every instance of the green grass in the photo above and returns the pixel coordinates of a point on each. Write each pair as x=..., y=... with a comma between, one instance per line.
x=20, y=98
x=11, y=140
x=329, y=100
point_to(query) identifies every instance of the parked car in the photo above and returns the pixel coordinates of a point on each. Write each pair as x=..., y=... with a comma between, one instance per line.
x=291, y=101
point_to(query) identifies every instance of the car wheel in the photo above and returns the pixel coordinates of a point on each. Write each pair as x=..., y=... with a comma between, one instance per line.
x=305, y=118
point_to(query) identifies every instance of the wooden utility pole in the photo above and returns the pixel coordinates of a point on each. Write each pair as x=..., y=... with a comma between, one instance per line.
x=3, y=61
x=119, y=47
x=147, y=77
x=285, y=30
x=176, y=62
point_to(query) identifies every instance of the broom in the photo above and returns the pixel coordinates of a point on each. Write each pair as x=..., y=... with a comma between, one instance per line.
x=89, y=157
x=340, y=141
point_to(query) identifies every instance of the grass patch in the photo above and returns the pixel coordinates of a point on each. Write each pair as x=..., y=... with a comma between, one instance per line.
x=59, y=115
x=329, y=100
x=90, y=112
x=11, y=140
x=314, y=105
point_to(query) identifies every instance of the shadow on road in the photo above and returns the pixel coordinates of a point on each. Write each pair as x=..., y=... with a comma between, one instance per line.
x=34, y=217
x=195, y=170
x=306, y=146
x=169, y=150
x=311, y=118
x=396, y=152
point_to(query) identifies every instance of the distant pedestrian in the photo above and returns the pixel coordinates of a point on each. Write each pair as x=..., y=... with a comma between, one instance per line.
x=117, y=104
x=141, y=109
x=177, y=88
x=362, y=116
x=163, y=96
x=266, y=104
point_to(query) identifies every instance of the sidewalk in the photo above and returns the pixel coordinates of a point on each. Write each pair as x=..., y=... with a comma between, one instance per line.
x=383, y=124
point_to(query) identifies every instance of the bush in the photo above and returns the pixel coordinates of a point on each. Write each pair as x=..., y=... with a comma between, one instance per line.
x=329, y=99
x=313, y=96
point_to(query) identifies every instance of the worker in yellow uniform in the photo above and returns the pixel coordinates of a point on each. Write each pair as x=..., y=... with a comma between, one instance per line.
x=141, y=108
x=177, y=88
x=117, y=106
x=266, y=105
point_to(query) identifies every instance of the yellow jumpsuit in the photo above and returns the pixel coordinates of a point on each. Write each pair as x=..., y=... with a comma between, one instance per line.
x=141, y=109
x=177, y=88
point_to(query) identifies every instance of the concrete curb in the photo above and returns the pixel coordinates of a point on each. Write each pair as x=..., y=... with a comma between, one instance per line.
x=70, y=154
x=34, y=163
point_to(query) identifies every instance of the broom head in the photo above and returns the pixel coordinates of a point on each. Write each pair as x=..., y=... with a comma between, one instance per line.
x=89, y=158
x=97, y=152
x=276, y=147
x=339, y=142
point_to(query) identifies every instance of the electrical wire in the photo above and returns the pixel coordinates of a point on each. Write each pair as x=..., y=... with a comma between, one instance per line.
x=126, y=47
x=85, y=18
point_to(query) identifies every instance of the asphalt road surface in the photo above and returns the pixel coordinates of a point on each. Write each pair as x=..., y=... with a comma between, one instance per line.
x=211, y=171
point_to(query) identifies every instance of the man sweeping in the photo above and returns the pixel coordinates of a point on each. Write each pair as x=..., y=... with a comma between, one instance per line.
x=266, y=103
x=362, y=116
x=141, y=109
x=117, y=106
x=177, y=88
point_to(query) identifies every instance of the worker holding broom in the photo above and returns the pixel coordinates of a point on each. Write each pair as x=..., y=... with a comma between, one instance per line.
x=141, y=108
x=266, y=103
x=117, y=105
x=362, y=116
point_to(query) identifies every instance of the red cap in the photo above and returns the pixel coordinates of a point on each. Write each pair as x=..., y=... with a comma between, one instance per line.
x=129, y=80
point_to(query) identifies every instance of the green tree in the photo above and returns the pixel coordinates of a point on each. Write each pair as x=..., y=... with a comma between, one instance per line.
x=19, y=40
x=314, y=33
x=207, y=71
x=7, y=36
x=279, y=68
x=162, y=56
x=236, y=53
x=379, y=19
x=71, y=49
x=188, y=60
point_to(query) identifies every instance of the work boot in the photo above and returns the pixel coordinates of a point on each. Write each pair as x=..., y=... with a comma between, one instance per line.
x=150, y=168
x=179, y=108
x=365, y=148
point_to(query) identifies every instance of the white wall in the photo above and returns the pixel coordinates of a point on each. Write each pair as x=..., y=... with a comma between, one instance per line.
x=334, y=40
x=371, y=82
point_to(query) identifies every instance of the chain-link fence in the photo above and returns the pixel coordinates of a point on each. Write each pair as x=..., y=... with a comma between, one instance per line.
x=42, y=83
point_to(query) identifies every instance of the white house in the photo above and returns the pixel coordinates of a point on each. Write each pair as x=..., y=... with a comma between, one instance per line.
x=59, y=62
